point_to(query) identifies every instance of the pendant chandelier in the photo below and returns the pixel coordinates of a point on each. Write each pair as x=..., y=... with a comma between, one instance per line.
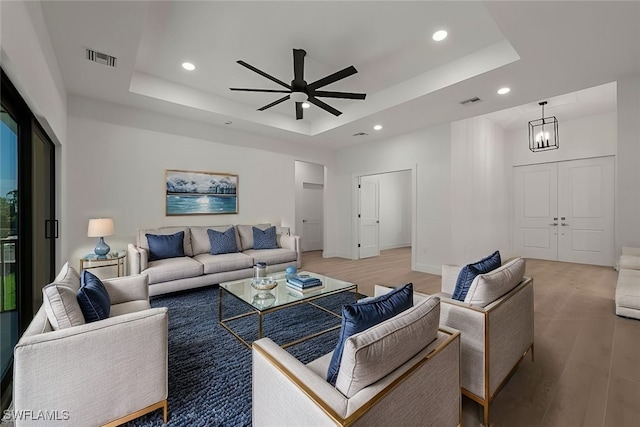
x=543, y=132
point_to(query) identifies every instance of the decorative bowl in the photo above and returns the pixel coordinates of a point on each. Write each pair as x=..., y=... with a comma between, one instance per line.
x=264, y=283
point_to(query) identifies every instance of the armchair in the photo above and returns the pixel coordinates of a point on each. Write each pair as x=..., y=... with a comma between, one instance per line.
x=101, y=373
x=494, y=337
x=422, y=390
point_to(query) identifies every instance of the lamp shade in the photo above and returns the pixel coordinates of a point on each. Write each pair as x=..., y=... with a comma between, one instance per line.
x=100, y=227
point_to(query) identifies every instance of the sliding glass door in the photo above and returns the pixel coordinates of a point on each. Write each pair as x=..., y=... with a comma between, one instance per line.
x=9, y=327
x=27, y=223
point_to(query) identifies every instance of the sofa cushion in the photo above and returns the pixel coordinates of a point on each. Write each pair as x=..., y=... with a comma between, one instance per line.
x=68, y=276
x=265, y=239
x=272, y=256
x=200, y=237
x=246, y=235
x=93, y=298
x=173, y=269
x=486, y=288
x=61, y=305
x=142, y=238
x=224, y=262
x=358, y=317
x=374, y=353
x=165, y=246
x=470, y=271
x=629, y=262
x=223, y=242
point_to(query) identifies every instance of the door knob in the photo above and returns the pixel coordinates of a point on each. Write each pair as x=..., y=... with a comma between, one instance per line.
x=564, y=224
x=554, y=224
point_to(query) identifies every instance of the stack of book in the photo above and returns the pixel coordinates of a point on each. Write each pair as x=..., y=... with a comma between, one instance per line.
x=304, y=283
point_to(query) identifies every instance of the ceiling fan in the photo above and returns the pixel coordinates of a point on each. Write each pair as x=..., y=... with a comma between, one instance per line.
x=300, y=91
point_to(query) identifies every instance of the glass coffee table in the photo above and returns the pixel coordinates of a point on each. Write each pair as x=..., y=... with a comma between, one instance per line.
x=281, y=297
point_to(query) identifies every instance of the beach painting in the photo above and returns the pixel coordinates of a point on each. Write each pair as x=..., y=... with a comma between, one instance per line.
x=201, y=193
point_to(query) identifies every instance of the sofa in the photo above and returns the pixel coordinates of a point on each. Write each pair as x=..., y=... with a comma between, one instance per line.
x=627, y=295
x=105, y=372
x=404, y=371
x=496, y=326
x=198, y=267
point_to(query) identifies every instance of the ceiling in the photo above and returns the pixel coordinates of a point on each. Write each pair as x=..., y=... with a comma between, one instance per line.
x=540, y=50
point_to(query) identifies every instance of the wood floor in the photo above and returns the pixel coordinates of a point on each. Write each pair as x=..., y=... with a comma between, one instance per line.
x=587, y=360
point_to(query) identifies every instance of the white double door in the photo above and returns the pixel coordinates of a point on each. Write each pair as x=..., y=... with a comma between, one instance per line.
x=564, y=211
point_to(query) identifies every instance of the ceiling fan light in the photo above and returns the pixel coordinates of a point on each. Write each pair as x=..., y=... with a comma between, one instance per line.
x=306, y=105
x=299, y=96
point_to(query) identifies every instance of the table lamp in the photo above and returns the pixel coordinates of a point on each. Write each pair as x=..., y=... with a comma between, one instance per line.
x=101, y=227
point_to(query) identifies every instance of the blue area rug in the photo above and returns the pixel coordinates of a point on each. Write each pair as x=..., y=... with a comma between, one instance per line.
x=210, y=370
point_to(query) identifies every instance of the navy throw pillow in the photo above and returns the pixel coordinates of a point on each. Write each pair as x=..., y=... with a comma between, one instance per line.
x=470, y=271
x=265, y=239
x=93, y=298
x=163, y=246
x=222, y=243
x=361, y=316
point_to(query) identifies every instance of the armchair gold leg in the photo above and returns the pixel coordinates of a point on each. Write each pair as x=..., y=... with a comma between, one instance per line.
x=162, y=404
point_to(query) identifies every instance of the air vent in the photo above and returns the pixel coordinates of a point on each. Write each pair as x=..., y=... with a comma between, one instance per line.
x=360, y=134
x=101, y=58
x=470, y=100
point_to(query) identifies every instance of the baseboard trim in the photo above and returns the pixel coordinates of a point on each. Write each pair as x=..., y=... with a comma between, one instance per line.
x=399, y=245
x=427, y=268
x=345, y=255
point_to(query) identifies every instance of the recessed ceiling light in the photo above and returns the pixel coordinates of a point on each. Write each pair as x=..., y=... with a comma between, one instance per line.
x=188, y=66
x=377, y=127
x=504, y=90
x=306, y=105
x=440, y=35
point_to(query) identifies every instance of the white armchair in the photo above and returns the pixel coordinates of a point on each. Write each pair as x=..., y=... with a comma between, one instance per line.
x=423, y=390
x=101, y=373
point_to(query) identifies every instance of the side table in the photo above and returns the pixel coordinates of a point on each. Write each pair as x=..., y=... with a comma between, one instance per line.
x=109, y=260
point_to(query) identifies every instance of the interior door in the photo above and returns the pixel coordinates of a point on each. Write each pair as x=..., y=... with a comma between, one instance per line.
x=586, y=208
x=369, y=217
x=312, y=216
x=536, y=211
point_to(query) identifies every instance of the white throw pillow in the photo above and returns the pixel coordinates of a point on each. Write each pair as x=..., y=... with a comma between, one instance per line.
x=61, y=305
x=488, y=287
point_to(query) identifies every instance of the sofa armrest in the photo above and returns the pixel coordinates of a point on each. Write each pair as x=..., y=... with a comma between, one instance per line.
x=96, y=361
x=294, y=395
x=127, y=288
x=291, y=242
x=133, y=259
x=450, y=275
x=626, y=250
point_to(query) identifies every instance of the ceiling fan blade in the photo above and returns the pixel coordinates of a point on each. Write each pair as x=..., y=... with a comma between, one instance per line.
x=263, y=74
x=324, y=106
x=260, y=90
x=346, y=95
x=284, y=98
x=298, y=66
x=298, y=110
x=338, y=75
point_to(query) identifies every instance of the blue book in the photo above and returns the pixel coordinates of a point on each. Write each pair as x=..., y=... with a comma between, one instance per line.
x=313, y=282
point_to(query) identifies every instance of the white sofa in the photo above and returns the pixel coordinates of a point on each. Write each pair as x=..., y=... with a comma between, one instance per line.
x=93, y=374
x=394, y=373
x=627, y=296
x=199, y=268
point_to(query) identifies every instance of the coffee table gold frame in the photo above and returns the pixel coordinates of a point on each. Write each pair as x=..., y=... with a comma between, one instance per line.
x=253, y=310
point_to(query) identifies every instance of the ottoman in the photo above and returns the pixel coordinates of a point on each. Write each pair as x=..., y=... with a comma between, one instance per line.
x=628, y=293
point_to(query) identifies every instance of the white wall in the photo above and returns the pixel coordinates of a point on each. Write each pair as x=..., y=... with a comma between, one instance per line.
x=395, y=209
x=480, y=191
x=427, y=154
x=628, y=164
x=591, y=136
x=119, y=170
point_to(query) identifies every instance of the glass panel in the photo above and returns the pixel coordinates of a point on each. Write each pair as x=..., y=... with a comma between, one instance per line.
x=8, y=237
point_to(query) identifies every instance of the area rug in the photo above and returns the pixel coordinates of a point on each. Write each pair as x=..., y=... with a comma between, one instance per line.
x=210, y=370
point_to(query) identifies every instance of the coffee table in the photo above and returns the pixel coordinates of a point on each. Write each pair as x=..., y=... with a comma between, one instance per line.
x=281, y=297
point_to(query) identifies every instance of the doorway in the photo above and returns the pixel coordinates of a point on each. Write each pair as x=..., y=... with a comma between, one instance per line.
x=564, y=211
x=385, y=218
x=310, y=205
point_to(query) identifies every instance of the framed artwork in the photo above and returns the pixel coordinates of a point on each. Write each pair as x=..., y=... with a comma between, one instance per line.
x=201, y=193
